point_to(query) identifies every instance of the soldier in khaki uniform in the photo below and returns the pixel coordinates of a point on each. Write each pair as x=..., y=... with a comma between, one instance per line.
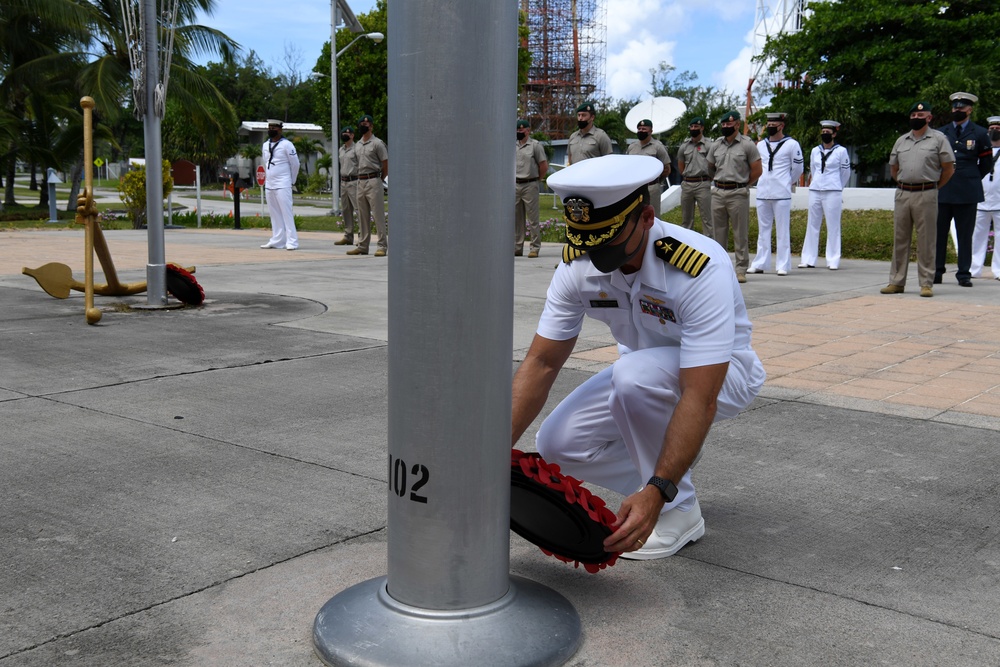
x=531, y=165
x=348, y=184
x=588, y=141
x=735, y=163
x=373, y=166
x=921, y=161
x=696, y=183
x=647, y=145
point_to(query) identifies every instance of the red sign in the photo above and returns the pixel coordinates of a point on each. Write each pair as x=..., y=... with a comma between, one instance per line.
x=260, y=175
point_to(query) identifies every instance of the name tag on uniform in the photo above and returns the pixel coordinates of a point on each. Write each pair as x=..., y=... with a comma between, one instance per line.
x=603, y=303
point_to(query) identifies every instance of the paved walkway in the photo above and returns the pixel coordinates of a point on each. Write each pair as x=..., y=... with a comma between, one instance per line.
x=190, y=486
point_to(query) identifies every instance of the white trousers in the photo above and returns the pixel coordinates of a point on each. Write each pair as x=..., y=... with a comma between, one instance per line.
x=609, y=431
x=980, y=238
x=828, y=204
x=773, y=213
x=279, y=207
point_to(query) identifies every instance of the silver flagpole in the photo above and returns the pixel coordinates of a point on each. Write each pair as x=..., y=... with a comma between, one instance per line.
x=448, y=598
x=156, y=268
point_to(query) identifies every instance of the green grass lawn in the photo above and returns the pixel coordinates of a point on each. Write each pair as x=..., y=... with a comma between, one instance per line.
x=864, y=234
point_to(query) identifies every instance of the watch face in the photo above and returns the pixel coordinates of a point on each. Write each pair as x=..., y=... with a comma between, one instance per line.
x=667, y=488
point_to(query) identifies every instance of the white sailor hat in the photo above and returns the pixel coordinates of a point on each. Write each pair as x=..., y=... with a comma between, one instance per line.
x=777, y=116
x=963, y=99
x=993, y=120
x=275, y=121
x=832, y=124
x=599, y=194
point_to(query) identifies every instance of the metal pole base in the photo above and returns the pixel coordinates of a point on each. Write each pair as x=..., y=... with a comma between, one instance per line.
x=531, y=625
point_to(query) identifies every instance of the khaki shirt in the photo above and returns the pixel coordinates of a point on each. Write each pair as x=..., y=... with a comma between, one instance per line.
x=370, y=155
x=653, y=148
x=348, y=161
x=528, y=156
x=592, y=144
x=694, y=155
x=920, y=158
x=732, y=161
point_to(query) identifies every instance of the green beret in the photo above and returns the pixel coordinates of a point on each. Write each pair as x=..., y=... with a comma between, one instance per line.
x=645, y=121
x=586, y=106
x=697, y=120
x=347, y=128
x=921, y=106
x=730, y=115
x=523, y=123
x=368, y=118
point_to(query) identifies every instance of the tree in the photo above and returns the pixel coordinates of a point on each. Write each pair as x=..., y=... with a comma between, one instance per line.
x=865, y=62
x=704, y=101
x=362, y=76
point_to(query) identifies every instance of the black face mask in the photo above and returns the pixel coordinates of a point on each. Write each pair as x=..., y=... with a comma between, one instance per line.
x=771, y=130
x=365, y=129
x=582, y=123
x=959, y=116
x=521, y=135
x=728, y=131
x=642, y=135
x=694, y=133
x=826, y=137
x=917, y=123
x=612, y=257
x=272, y=133
x=345, y=137
x=994, y=135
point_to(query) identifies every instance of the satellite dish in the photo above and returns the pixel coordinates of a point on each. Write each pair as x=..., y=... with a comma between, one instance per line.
x=663, y=111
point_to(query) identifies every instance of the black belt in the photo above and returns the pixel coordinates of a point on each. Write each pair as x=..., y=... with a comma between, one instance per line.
x=348, y=178
x=728, y=185
x=697, y=179
x=917, y=187
x=365, y=177
x=526, y=180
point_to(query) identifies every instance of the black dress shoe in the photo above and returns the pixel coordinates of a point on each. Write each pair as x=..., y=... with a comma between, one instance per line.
x=937, y=280
x=965, y=283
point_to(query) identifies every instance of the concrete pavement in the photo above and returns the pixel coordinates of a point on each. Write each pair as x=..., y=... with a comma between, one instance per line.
x=189, y=487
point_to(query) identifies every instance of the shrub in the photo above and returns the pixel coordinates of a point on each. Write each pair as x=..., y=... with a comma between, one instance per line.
x=132, y=188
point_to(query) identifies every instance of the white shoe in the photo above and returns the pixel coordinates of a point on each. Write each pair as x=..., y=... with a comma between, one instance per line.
x=673, y=530
x=833, y=268
x=268, y=246
x=753, y=270
x=782, y=273
x=807, y=266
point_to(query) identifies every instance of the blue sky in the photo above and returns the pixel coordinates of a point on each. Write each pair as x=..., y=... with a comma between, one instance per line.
x=712, y=38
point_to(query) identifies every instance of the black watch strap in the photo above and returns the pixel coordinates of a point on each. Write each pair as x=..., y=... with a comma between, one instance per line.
x=667, y=488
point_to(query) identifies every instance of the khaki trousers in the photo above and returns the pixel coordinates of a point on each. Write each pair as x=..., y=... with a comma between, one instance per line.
x=914, y=211
x=526, y=212
x=732, y=207
x=700, y=194
x=371, y=204
x=349, y=206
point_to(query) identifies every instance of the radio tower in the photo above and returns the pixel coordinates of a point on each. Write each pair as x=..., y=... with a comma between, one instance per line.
x=568, y=44
x=773, y=18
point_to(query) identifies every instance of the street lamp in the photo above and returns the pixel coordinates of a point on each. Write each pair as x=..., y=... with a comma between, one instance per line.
x=376, y=37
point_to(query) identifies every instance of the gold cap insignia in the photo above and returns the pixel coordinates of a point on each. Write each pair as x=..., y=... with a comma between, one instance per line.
x=578, y=209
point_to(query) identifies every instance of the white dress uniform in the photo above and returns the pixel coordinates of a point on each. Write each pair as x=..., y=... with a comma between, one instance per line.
x=829, y=170
x=610, y=430
x=282, y=165
x=987, y=214
x=782, y=166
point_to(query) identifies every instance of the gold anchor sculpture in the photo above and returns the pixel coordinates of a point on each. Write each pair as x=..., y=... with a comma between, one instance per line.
x=57, y=279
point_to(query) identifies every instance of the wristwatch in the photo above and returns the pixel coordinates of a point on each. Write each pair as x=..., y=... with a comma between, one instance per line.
x=667, y=488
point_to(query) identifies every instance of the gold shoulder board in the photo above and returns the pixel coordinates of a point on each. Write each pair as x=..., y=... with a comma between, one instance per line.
x=681, y=255
x=570, y=253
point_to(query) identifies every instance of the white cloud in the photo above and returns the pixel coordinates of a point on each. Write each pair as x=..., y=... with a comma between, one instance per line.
x=628, y=70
